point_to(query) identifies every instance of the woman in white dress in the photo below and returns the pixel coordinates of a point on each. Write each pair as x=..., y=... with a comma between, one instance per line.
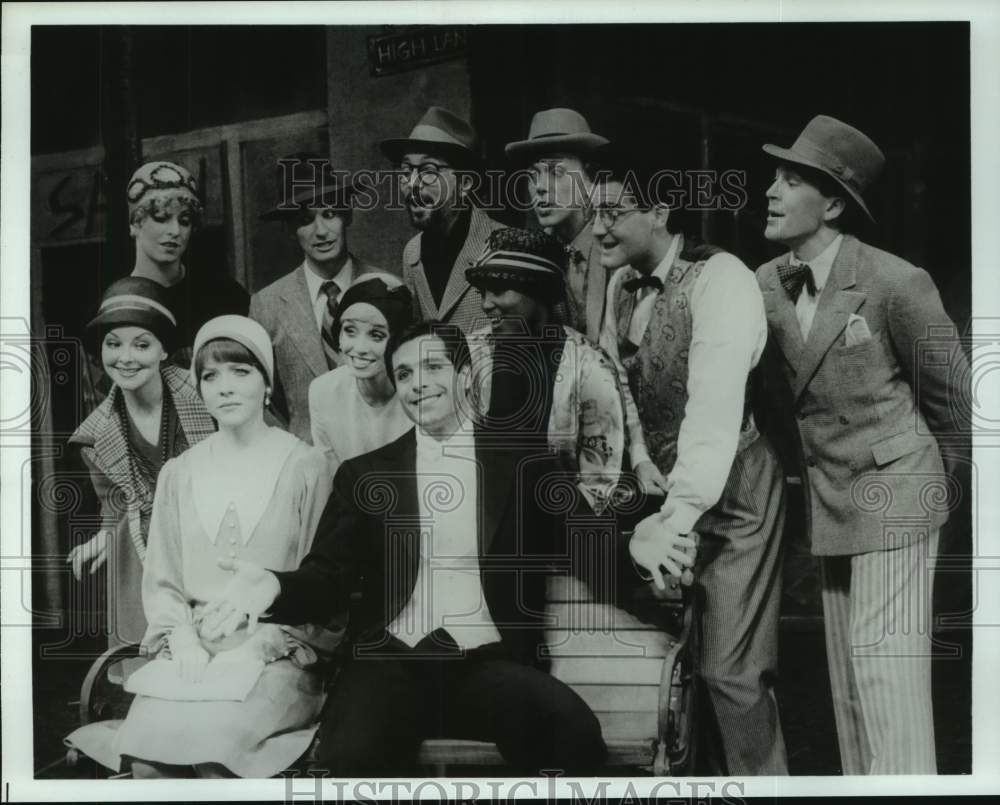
x=248, y=492
x=353, y=408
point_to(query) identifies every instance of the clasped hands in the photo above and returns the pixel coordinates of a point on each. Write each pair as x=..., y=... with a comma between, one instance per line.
x=656, y=546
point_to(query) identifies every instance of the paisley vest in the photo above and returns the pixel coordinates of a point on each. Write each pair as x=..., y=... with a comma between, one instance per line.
x=657, y=368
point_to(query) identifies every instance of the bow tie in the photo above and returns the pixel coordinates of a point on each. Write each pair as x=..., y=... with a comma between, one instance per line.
x=645, y=281
x=792, y=279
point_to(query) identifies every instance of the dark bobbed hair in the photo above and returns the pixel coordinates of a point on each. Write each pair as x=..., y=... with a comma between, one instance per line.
x=224, y=350
x=456, y=347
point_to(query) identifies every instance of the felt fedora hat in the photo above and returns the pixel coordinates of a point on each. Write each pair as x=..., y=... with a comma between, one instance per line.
x=843, y=153
x=440, y=132
x=555, y=130
x=307, y=180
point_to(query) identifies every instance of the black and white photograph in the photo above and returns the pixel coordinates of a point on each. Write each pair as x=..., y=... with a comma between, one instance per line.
x=478, y=401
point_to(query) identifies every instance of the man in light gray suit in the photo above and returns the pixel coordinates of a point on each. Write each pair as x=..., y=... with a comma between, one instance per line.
x=873, y=410
x=297, y=309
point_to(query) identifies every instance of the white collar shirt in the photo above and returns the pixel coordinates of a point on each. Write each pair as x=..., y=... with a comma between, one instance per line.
x=449, y=592
x=820, y=265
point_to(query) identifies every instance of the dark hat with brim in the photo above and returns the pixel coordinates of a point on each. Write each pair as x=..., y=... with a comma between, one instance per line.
x=554, y=131
x=132, y=302
x=439, y=132
x=307, y=181
x=842, y=152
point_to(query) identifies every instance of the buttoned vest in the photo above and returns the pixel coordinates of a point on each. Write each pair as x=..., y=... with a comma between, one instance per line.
x=657, y=368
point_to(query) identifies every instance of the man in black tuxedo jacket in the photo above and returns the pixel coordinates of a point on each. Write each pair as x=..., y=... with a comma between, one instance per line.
x=450, y=540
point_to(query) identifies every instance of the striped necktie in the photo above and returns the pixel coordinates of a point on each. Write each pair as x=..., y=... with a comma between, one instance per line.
x=332, y=291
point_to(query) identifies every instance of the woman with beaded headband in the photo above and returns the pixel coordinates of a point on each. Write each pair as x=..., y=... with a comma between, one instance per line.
x=248, y=493
x=164, y=209
x=353, y=408
x=534, y=381
x=152, y=414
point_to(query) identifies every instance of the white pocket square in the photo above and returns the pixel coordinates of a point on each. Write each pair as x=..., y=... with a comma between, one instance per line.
x=857, y=331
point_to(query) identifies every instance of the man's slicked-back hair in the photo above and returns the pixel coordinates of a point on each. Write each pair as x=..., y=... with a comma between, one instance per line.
x=456, y=347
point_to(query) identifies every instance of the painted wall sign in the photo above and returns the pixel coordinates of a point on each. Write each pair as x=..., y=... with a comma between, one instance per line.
x=407, y=50
x=68, y=205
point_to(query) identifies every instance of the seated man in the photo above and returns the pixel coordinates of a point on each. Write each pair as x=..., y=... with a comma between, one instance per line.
x=448, y=540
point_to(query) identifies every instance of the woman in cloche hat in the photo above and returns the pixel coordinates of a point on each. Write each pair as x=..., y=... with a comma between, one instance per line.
x=152, y=414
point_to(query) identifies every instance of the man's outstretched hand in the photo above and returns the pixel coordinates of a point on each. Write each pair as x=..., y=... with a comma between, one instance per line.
x=246, y=596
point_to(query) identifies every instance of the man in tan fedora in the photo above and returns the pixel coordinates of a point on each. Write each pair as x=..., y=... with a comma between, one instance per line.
x=846, y=323
x=437, y=162
x=298, y=308
x=557, y=153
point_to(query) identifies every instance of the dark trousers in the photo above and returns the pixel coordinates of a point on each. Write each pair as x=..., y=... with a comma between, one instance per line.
x=384, y=704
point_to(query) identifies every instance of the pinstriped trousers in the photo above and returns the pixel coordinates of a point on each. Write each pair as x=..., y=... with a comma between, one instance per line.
x=877, y=609
x=739, y=568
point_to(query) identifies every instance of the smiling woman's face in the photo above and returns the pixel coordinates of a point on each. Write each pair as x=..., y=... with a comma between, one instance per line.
x=131, y=356
x=364, y=333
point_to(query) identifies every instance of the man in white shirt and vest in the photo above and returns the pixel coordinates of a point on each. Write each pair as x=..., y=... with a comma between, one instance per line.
x=872, y=411
x=685, y=323
x=450, y=546
x=297, y=309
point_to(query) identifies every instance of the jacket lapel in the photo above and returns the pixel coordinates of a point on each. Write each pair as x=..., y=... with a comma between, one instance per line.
x=784, y=323
x=836, y=303
x=111, y=446
x=424, y=295
x=195, y=421
x=300, y=320
x=398, y=469
x=458, y=285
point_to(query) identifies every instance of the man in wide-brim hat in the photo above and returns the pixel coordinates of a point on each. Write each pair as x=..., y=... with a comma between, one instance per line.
x=314, y=204
x=845, y=321
x=437, y=163
x=558, y=155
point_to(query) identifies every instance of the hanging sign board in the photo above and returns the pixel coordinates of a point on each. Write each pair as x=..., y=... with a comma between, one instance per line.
x=415, y=47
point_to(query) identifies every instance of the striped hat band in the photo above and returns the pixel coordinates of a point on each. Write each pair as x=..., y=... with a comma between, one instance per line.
x=135, y=302
x=520, y=260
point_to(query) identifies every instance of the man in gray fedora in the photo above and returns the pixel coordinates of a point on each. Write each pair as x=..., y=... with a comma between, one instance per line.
x=558, y=155
x=297, y=309
x=846, y=323
x=437, y=162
